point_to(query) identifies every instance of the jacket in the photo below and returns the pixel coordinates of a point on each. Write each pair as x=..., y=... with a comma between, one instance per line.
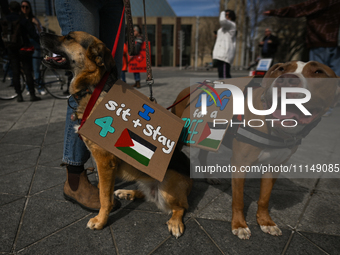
x=27, y=28
x=323, y=20
x=272, y=47
x=225, y=46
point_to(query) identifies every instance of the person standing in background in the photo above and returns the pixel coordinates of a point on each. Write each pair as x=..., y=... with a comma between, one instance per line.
x=17, y=56
x=269, y=45
x=26, y=10
x=323, y=24
x=225, y=45
x=138, y=41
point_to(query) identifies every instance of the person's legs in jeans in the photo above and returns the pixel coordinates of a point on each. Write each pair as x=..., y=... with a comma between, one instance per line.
x=334, y=59
x=137, y=76
x=86, y=16
x=327, y=56
x=123, y=76
x=137, y=80
x=36, y=59
x=318, y=54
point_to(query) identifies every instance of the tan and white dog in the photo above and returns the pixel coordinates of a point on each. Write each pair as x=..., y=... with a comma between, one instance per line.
x=292, y=74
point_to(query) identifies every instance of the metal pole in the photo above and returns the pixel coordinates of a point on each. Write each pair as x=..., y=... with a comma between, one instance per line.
x=196, y=44
x=237, y=41
x=180, y=37
x=244, y=40
x=247, y=50
x=225, y=4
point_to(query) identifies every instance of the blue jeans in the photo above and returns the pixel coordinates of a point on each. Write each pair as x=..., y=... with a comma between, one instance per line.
x=123, y=76
x=100, y=18
x=329, y=56
x=137, y=76
x=36, y=58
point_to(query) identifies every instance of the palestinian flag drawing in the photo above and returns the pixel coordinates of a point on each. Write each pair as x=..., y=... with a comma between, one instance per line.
x=135, y=146
x=212, y=136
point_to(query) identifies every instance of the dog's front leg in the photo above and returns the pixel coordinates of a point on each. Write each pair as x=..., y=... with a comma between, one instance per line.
x=263, y=218
x=106, y=166
x=238, y=223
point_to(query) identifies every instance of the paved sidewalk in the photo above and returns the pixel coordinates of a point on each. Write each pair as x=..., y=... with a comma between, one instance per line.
x=35, y=218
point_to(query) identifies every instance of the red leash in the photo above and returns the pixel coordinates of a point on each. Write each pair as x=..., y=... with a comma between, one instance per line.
x=99, y=88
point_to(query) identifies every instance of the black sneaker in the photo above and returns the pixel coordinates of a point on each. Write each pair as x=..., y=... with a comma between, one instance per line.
x=20, y=98
x=34, y=98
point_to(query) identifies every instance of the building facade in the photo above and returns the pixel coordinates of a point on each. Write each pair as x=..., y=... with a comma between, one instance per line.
x=163, y=28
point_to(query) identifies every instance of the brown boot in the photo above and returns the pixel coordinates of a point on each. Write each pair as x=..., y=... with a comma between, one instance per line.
x=79, y=190
x=137, y=84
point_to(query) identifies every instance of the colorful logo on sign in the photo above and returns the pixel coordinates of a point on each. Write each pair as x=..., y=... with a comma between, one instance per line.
x=209, y=93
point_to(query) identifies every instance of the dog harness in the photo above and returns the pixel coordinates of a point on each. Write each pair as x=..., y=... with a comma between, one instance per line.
x=257, y=138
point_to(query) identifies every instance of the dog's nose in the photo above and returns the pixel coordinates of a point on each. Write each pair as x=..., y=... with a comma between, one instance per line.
x=288, y=80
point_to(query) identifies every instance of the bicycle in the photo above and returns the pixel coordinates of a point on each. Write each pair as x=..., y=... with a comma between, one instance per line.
x=55, y=82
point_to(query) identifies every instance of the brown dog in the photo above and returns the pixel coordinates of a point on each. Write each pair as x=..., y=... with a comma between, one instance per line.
x=292, y=74
x=88, y=58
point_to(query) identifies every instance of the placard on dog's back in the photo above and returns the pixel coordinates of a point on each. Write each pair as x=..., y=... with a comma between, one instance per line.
x=206, y=131
x=136, y=130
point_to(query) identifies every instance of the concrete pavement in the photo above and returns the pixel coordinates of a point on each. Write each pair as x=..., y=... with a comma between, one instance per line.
x=35, y=218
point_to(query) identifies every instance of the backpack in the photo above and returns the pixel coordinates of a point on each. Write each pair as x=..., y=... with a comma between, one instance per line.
x=11, y=34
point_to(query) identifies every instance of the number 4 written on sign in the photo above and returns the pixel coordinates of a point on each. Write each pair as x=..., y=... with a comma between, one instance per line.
x=105, y=123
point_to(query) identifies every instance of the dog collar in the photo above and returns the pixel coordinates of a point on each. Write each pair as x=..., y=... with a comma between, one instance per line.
x=82, y=93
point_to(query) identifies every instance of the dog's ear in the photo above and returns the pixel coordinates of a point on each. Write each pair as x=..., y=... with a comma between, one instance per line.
x=101, y=56
x=269, y=72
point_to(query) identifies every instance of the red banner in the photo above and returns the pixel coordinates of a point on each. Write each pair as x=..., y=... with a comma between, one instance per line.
x=137, y=64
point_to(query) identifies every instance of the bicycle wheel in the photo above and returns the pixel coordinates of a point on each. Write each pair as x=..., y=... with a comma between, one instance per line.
x=55, y=82
x=7, y=90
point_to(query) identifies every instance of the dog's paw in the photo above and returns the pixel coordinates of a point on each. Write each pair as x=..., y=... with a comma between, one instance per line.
x=124, y=194
x=95, y=224
x=242, y=233
x=272, y=230
x=176, y=227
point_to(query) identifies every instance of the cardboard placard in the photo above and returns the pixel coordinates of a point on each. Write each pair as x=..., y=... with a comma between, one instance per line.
x=140, y=132
x=199, y=130
x=137, y=64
